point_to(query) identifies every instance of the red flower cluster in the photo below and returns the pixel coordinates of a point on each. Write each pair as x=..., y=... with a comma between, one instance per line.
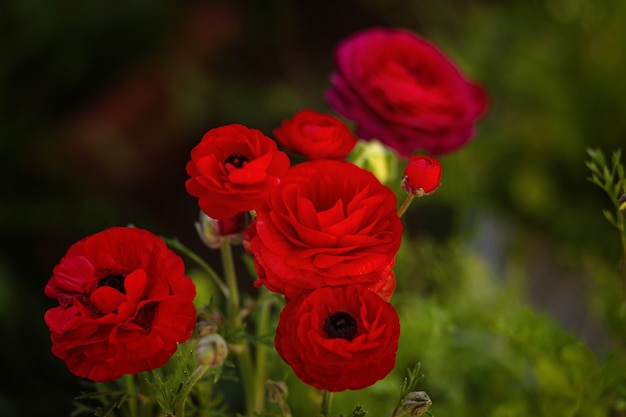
x=325, y=235
x=401, y=90
x=316, y=136
x=124, y=304
x=327, y=238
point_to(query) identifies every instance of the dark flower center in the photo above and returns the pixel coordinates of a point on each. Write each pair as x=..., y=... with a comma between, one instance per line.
x=235, y=161
x=113, y=281
x=340, y=324
x=145, y=316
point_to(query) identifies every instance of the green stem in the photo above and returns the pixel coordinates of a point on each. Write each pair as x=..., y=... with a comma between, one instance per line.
x=187, y=387
x=624, y=269
x=327, y=398
x=243, y=355
x=231, y=282
x=177, y=245
x=405, y=204
x=261, y=350
x=131, y=389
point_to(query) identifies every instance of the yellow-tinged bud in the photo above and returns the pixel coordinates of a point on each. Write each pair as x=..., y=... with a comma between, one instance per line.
x=376, y=158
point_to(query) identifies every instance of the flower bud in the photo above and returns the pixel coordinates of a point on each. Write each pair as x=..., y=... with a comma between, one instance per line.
x=276, y=391
x=209, y=325
x=422, y=175
x=213, y=231
x=416, y=403
x=211, y=350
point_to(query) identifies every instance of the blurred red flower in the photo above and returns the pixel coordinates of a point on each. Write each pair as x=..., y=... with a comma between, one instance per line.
x=422, y=175
x=402, y=90
x=124, y=304
x=338, y=338
x=328, y=223
x=233, y=169
x=316, y=136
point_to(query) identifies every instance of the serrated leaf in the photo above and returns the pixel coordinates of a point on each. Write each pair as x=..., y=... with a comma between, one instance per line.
x=358, y=412
x=592, y=152
x=608, y=215
x=616, y=157
x=596, y=181
x=591, y=165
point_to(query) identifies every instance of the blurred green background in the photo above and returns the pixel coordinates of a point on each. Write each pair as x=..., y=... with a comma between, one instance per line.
x=510, y=275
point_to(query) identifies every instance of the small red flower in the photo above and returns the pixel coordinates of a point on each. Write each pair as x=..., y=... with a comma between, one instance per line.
x=124, y=304
x=403, y=91
x=233, y=169
x=328, y=223
x=316, y=136
x=338, y=338
x=422, y=175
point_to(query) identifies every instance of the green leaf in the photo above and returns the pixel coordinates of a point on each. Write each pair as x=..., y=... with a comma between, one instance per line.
x=608, y=215
x=410, y=382
x=358, y=412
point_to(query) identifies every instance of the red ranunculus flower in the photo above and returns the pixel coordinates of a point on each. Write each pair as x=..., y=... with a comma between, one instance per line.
x=124, y=304
x=386, y=285
x=422, y=175
x=316, y=136
x=233, y=169
x=401, y=90
x=328, y=223
x=338, y=338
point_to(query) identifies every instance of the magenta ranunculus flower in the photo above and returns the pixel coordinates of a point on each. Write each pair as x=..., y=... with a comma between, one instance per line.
x=403, y=91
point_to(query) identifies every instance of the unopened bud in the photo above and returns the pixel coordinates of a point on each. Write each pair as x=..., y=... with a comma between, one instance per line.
x=209, y=321
x=213, y=231
x=422, y=176
x=211, y=350
x=416, y=403
x=206, y=328
x=276, y=391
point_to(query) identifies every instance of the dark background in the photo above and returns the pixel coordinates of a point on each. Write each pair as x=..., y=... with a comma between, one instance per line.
x=101, y=102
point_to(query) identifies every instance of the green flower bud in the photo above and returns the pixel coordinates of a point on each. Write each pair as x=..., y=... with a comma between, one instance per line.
x=211, y=350
x=416, y=403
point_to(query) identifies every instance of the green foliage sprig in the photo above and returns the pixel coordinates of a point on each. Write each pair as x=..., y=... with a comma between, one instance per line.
x=610, y=177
